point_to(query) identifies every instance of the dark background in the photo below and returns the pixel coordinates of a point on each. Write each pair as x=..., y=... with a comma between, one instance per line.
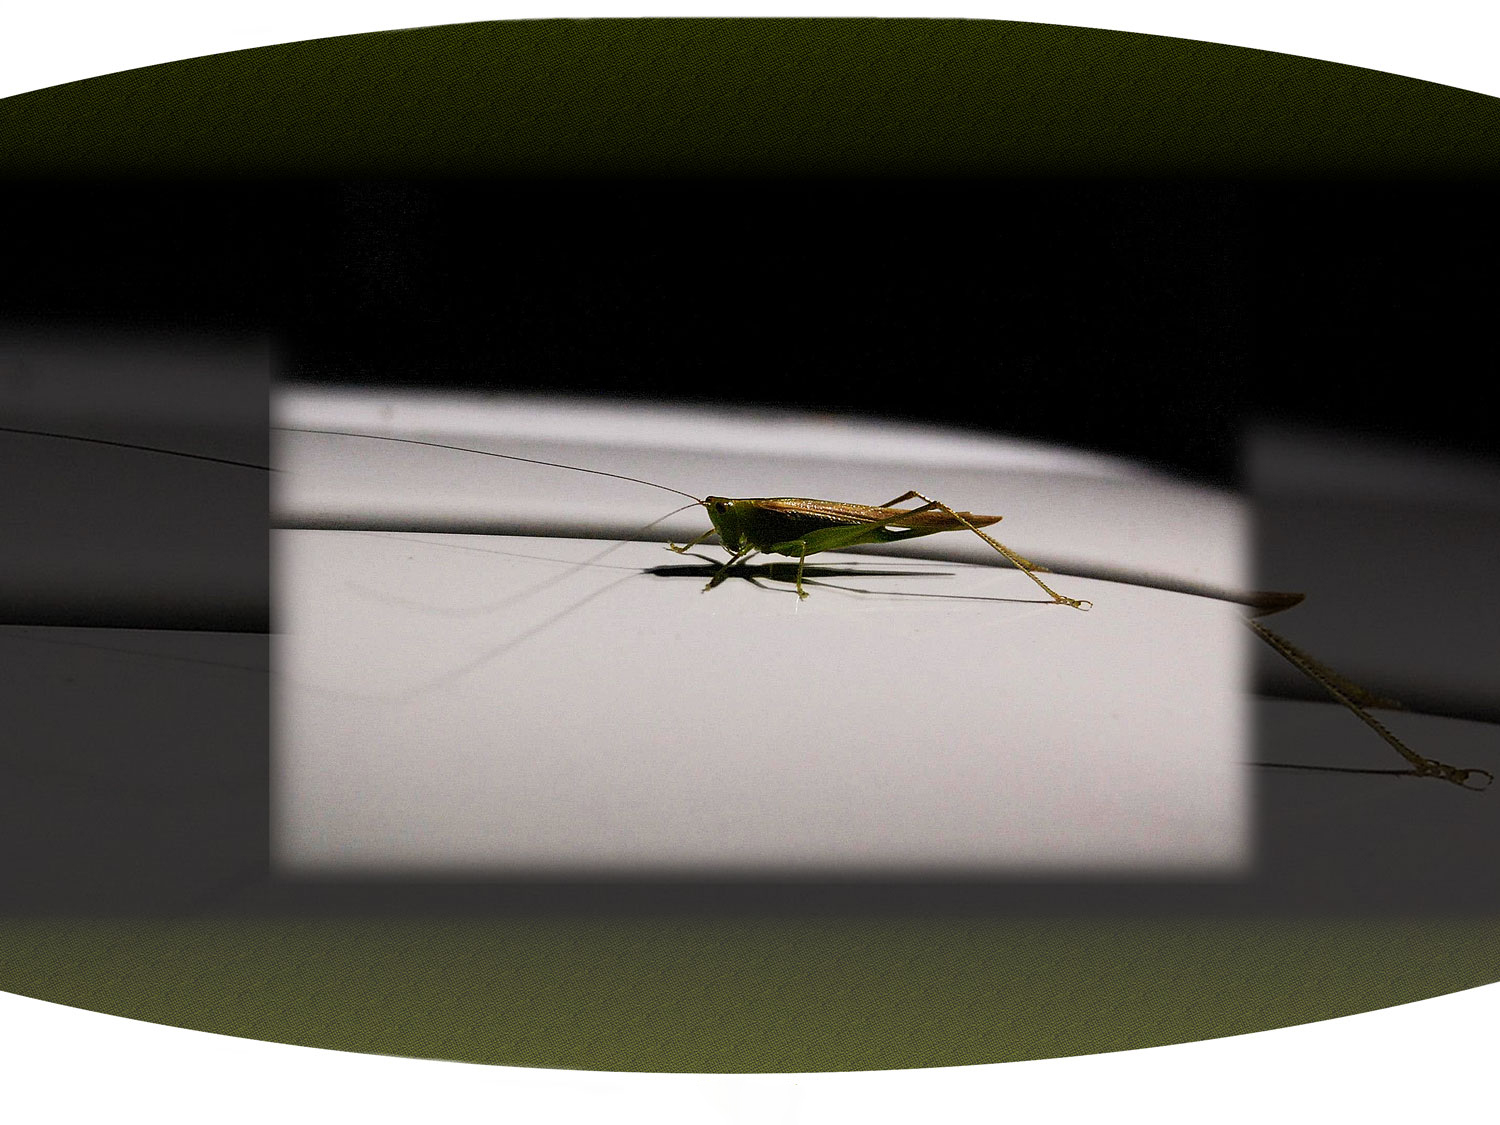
x=1146, y=317
x=1151, y=317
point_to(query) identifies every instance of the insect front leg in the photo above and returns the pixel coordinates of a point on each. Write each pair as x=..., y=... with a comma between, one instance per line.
x=691, y=543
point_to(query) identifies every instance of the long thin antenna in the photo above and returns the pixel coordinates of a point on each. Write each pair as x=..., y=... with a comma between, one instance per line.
x=490, y=453
x=136, y=445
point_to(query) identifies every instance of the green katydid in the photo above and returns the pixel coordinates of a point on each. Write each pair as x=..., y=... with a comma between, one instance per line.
x=797, y=527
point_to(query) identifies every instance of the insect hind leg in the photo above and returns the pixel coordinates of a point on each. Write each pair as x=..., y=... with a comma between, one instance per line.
x=1352, y=696
x=1022, y=564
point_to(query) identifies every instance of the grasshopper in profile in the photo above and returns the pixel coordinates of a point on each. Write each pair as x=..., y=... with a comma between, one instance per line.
x=797, y=527
x=791, y=526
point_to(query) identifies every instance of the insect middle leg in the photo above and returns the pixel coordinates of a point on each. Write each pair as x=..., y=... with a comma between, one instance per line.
x=1022, y=564
x=801, y=562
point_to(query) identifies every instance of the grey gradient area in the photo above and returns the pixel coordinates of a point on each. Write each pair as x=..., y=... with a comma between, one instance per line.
x=133, y=773
x=1397, y=550
x=1358, y=843
x=100, y=533
x=134, y=605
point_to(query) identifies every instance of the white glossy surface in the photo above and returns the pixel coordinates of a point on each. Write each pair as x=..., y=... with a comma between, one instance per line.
x=463, y=702
x=486, y=705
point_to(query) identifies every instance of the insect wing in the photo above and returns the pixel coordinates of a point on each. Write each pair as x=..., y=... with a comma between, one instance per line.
x=768, y=521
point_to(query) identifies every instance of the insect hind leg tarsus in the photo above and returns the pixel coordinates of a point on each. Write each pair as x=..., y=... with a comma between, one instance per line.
x=1022, y=564
x=1338, y=687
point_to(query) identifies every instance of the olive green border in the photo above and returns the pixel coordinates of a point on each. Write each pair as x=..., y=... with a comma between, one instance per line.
x=741, y=995
x=750, y=97
x=745, y=97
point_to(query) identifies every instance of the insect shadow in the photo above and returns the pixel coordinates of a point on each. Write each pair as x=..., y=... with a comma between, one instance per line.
x=757, y=574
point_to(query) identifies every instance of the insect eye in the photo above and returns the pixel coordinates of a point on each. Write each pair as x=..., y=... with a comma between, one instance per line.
x=721, y=507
